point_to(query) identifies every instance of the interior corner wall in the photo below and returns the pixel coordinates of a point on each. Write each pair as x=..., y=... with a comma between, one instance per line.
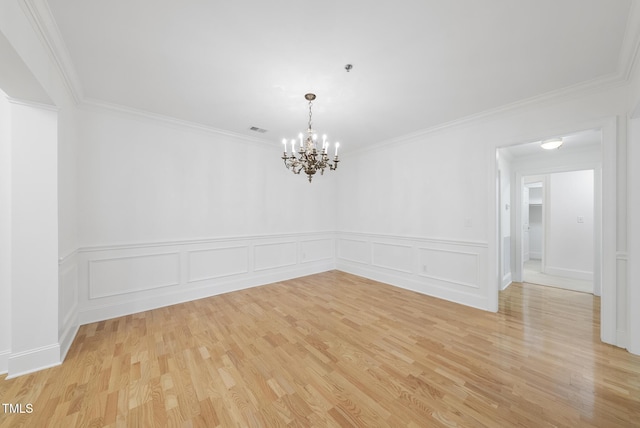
x=5, y=233
x=170, y=212
x=414, y=214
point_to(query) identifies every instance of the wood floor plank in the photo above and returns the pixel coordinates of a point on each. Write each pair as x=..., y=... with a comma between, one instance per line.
x=338, y=350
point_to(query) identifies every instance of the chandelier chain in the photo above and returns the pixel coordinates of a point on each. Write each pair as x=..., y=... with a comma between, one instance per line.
x=310, y=114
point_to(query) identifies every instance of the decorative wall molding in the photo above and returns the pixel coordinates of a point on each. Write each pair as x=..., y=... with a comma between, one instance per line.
x=354, y=250
x=455, y=267
x=274, y=255
x=622, y=255
x=69, y=256
x=610, y=81
x=215, y=263
x=45, y=26
x=112, y=276
x=444, y=268
x=396, y=257
x=116, y=280
x=410, y=239
x=630, y=51
x=317, y=249
x=33, y=104
x=91, y=104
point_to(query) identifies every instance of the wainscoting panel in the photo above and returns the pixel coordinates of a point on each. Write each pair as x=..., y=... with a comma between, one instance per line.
x=353, y=250
x=315, y=250
x=271, y=256
x=124, y=279
x=122, y=275
x=393, y=256
x=217, y=262
x=449, y=269
x=455, y=267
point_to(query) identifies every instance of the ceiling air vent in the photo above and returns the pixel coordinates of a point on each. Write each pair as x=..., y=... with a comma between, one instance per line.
x=256, y=129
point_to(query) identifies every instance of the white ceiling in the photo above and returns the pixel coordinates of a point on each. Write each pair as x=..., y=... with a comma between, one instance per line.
x=232, y=65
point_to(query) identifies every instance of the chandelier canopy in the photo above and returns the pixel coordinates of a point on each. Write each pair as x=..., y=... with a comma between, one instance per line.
x=308, y=158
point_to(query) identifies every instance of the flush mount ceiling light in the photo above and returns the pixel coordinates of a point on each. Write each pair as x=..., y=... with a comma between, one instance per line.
x=308, y=158
x=551, y=144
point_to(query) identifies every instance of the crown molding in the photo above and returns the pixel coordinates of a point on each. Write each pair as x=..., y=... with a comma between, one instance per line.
x=92, y=104
x=41, y=18
x=46, y=28
x=33, y=104
x=609, y=81
x=630, y=50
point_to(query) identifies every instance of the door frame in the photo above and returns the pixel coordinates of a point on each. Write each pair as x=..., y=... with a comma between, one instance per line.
x=606, y=222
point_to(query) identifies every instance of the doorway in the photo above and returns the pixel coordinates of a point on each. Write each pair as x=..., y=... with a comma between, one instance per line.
x=601, y=158
x=558, y=230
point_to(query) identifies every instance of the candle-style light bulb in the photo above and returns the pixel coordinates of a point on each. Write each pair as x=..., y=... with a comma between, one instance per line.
x=284, y=143
x=337, y=145
x=293, y=147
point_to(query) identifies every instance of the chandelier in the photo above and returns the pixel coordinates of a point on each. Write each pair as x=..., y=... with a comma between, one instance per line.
x=308, y=158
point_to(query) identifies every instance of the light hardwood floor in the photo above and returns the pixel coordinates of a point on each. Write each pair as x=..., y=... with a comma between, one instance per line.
x=338, y=350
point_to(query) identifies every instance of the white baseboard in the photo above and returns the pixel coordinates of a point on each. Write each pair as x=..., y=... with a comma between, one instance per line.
x=4, y=362
x=569, y=273
x=621, y=339
x=506, y=281
x=33, y=360
x=419, y=286
x=68, y=333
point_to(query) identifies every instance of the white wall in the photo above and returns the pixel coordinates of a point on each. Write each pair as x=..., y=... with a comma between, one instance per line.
x=569, y=242
x=439, y=186
x=34, y=239
x=5, y=233
x=171, y=212
x=415, y=214
x=148, y=181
